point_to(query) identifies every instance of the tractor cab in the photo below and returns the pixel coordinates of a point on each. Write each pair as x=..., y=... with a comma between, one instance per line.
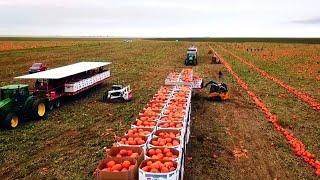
x=12, y=101
x=192, y=56
x=17, y=101
x=16, y=92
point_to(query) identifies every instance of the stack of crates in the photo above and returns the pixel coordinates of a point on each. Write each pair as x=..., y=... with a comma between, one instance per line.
x=164, y=126
x=83, y=83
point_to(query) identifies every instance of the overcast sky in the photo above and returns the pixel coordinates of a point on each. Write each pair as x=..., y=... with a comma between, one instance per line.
x=161, y=18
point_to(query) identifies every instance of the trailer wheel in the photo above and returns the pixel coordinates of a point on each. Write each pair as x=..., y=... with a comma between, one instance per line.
x=39, y=109
x=11, y=121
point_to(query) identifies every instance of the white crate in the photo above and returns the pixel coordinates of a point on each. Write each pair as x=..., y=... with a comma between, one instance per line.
x=179, y=147
x=178, y=159
x=174, y=175
x=182, y=137
x=69, y=88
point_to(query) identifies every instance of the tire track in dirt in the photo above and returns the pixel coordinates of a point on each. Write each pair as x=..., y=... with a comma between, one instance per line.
x=297, y=146
x=308, y=99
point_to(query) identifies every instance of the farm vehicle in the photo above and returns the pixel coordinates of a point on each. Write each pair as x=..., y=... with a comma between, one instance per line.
x=17, y=103
x=218, y=91
x=37, y=67
x=192, y=56
x=118, y=93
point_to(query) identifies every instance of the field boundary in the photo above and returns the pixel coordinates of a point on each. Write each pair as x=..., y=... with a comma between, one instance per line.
x=306, y=98
x=297, y=146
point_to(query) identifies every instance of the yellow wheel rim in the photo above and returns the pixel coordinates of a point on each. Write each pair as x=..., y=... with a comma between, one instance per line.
x=41, y=109
x=14, y=121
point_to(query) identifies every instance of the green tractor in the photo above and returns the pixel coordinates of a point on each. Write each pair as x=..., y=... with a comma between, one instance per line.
x=16, y=103
x=192, y=56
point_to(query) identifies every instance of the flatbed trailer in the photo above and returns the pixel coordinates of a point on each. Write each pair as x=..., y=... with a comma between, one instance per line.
x=67, y=80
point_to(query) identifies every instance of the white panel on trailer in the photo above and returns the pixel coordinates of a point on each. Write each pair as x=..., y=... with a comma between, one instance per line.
x=65, y=71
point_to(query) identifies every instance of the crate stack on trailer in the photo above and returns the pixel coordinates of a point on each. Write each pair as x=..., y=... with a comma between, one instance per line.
x=74, y=86
x=158, y=137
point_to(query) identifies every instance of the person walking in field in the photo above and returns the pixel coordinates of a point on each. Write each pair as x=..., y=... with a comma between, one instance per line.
x=220, y=75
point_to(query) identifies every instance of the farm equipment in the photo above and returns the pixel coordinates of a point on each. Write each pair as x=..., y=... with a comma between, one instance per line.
x=192, y=56
x=218, y=91
x=17, y=103
x=118, y=93
x=50, y=87
x=37, y=67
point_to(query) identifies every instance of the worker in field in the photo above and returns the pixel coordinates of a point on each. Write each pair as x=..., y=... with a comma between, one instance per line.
x=220, y=75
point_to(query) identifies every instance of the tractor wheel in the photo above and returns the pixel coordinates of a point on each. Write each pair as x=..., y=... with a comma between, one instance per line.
x=11, y=121
x=39, y=109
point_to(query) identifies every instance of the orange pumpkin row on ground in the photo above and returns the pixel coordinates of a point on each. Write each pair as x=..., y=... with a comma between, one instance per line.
x=139, y=132
x=158, y=167
x=168, y=142
x=161, y=154
x=132, y=140
x=112, y=166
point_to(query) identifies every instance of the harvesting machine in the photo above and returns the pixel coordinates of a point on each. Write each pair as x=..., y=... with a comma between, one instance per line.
x=218, y=91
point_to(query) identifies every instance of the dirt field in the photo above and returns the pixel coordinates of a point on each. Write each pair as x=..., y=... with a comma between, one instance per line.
x=229, y=140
